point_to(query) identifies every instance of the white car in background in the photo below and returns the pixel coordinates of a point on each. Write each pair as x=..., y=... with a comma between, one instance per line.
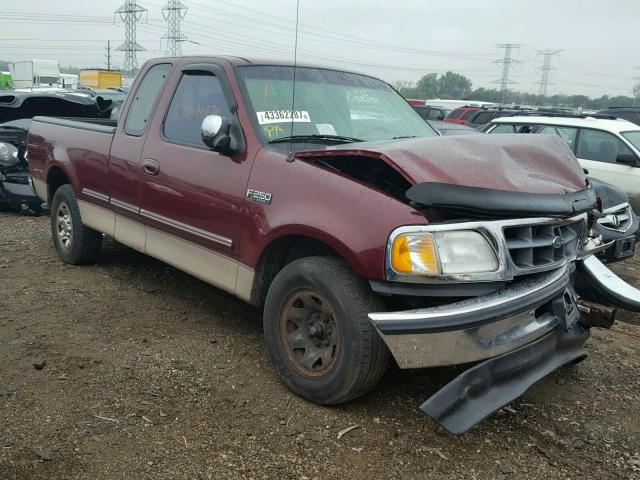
x=608, y=147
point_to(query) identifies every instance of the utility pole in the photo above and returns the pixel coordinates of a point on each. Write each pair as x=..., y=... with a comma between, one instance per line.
x=174, y=12
x=636, y=89
x=130, y=14
x=506, y=61
x=545, y=70
x=108, y=55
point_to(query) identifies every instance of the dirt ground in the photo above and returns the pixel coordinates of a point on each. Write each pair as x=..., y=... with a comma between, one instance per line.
x=130, y=369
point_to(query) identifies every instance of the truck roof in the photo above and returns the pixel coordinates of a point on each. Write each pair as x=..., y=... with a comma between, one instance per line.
x=234, y=60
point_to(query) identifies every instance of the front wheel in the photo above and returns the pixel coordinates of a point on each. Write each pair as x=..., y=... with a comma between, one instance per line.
x=74, y=243
x=318, y=334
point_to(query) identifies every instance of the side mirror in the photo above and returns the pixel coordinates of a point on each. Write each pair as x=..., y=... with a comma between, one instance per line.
x=215, y=133
x=627, y=159
x=223, y=135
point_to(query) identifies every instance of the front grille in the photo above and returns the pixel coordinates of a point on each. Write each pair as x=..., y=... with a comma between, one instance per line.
x=539, y=246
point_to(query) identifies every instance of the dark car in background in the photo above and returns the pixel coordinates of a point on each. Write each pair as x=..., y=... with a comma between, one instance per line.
x=485, y=116
x=431, y=113
x=632, y=114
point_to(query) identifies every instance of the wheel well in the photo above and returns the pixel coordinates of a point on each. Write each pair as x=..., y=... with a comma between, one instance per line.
x=278, y=255
x=55, y=179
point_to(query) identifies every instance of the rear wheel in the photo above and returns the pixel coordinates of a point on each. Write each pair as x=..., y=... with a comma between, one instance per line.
x=317, y=332
x=74, y=243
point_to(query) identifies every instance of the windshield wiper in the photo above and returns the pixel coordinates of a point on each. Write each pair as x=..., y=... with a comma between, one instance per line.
x=315, y=138
x=406, y=136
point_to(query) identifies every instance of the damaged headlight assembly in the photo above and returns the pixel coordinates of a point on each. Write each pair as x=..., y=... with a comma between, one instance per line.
x=8, y=154
x=441, y=253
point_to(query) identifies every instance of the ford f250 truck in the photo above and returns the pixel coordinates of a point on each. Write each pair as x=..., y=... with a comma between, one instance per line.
x=361, y=233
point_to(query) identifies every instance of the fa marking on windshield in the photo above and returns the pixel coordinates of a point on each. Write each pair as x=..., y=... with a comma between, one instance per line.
x=259, y=197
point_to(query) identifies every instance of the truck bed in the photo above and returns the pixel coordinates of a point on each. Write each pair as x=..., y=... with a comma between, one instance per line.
x=83, y=142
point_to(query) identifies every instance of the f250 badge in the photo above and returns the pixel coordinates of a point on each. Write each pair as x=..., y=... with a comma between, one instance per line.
x=259, y=197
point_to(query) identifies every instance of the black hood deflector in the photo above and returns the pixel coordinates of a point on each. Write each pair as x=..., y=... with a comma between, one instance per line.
x=489, y=202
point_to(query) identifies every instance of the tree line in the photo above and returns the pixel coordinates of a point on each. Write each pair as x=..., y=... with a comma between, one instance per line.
x=452, y=85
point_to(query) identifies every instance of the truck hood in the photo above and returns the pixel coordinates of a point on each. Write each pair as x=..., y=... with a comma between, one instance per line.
x=541, y=164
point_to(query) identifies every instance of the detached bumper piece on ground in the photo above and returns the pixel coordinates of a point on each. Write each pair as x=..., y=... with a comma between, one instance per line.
x=513, y=337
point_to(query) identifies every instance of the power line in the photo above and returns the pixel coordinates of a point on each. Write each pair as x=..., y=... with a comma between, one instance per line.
x=506, y=61
x=130, y=14
x=174, y=12
x=545, y=70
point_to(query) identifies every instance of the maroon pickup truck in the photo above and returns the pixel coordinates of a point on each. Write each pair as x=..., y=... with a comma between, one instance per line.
x=361, y=233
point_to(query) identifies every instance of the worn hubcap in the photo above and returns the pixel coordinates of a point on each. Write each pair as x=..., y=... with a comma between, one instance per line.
x=309, y=333
x=64, y=226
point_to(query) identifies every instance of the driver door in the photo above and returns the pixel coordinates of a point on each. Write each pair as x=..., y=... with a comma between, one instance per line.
x=192, y=197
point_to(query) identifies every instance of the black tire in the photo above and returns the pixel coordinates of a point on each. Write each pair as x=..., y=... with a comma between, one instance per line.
x=74, y=243
x=360, y=357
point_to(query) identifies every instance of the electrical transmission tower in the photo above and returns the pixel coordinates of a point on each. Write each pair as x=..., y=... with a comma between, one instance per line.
x=130, y=14
x=506, y=61
x=174, y=12
x=545, y=70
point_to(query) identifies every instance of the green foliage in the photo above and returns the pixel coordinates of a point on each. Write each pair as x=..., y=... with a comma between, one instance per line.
x=432, y=85
x=559, y=100
x=452, y=85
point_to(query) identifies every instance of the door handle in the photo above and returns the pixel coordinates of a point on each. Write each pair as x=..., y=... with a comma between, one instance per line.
x=150, y=166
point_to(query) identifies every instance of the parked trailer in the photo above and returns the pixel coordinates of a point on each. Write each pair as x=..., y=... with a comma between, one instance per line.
x=100, y=79
x=35, y=73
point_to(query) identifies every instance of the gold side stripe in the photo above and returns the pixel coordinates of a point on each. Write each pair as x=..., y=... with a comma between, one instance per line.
x=227, y=242
x=211, y=267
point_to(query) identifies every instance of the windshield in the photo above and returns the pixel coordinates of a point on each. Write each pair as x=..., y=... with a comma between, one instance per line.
x=327, y=103
x=48, y=80
x=633, y=137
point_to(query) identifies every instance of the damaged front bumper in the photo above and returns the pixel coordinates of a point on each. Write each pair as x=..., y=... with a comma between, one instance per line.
x=519, y=335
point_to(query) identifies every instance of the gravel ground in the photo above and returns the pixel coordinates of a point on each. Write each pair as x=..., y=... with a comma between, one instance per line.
x=132, y=369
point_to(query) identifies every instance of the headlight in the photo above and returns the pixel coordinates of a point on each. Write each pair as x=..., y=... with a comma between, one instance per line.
x=442, y=253
x=8, y=154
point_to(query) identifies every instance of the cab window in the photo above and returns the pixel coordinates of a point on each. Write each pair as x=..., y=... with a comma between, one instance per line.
x=198, y=94
x=600, y=146
x=145, y=100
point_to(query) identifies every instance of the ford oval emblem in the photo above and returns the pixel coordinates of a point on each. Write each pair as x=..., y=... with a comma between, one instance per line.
x=557, y=242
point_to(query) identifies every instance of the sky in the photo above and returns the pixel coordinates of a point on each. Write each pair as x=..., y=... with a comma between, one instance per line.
x=397, y=41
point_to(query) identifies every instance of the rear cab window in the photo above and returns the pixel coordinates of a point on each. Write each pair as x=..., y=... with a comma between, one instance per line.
x=145, y=100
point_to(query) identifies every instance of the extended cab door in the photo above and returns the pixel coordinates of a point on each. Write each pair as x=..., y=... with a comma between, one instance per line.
x=192, y=197
x=125, y=155
x=598, y=150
